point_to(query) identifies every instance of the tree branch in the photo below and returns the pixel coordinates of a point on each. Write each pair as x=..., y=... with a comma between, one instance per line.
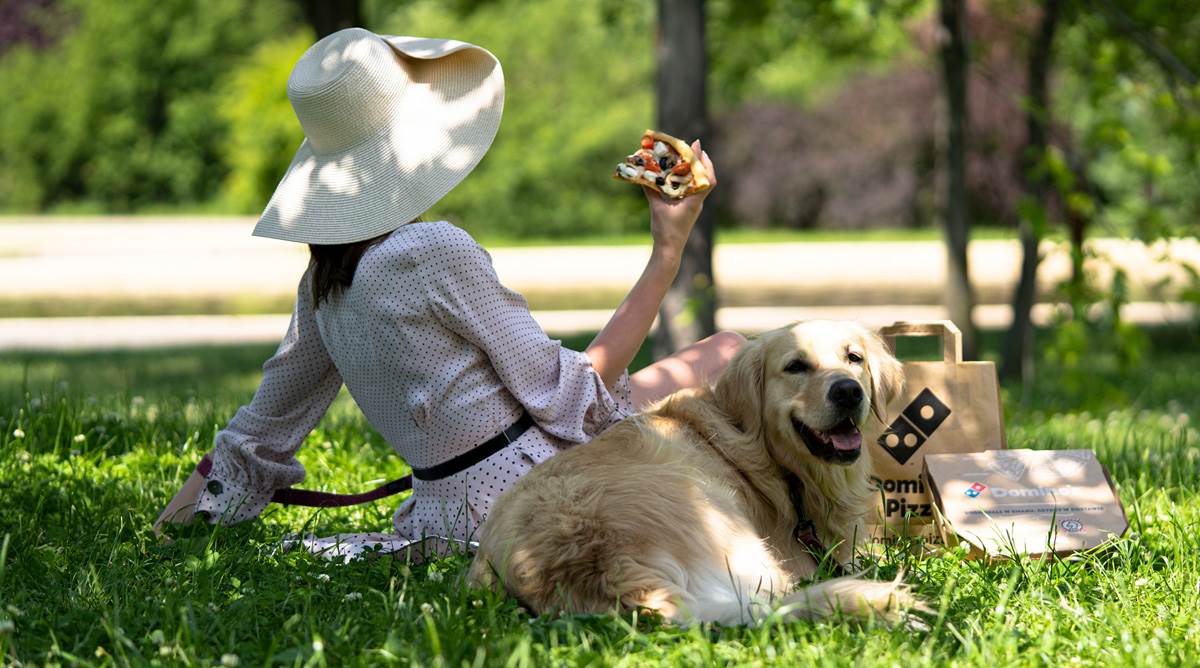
x=1167, y=61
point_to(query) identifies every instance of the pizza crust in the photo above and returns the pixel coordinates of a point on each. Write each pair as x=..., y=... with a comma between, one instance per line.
x=700, y=180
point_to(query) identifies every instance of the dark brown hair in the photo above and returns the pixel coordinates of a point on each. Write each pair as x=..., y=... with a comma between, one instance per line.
x=333, y=265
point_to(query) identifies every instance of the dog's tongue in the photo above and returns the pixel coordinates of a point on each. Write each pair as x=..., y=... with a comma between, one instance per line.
x=847, y=441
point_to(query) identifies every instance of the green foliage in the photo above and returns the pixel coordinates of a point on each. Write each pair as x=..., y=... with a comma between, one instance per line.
x=1137, y=128
x=121, y=110
x=799, y=51
x=105, y=438
x=263, y=131
x=578, y=84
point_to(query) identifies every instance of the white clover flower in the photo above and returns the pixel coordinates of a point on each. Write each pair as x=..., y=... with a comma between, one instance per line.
x=79, y=438
x=230, y=660
x=18, y=433
x=353, y=596
x=426, y=608
x=323, y=577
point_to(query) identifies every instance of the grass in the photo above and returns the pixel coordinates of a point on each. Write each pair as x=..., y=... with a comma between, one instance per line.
x=94, y=444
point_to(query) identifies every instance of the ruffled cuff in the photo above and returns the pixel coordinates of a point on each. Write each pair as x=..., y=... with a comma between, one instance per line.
x=617, y=402
x=610, y=405
x=576, y=406
x=225, y=502
x=227, y=498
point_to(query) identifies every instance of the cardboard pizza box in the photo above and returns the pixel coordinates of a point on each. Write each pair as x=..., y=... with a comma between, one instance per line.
x=1035, y=502
x=947, y=406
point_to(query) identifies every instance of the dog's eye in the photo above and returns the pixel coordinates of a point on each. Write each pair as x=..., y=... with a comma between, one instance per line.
x=797, y=366
x=854, y=358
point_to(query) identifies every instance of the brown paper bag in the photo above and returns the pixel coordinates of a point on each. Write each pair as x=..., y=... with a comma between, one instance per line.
x=948, y=406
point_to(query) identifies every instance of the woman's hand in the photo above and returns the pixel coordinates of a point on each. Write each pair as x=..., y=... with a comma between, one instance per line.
x=671, y=220
x=182, y=507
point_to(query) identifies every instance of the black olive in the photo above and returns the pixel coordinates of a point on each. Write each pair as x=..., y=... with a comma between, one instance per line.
x=637, y=160
x=662, y=162
x=660, y=180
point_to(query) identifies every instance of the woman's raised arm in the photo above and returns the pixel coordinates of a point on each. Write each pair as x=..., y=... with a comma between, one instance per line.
x=671, y=222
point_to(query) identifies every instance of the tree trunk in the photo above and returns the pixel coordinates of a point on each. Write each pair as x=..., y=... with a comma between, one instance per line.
x=329, y=16
x=959, y=297
x=1018, y=349
x=688, y=312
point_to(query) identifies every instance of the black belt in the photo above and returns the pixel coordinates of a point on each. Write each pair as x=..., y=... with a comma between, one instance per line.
x=305, y=497
x=476, y=454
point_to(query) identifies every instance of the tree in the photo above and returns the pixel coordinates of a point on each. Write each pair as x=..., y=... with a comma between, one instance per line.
x=329, y=16
x=959, y=295
x=1018, y=349
x=689, y=310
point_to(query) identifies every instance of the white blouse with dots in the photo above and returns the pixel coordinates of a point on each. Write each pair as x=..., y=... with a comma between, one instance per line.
x=440, y=357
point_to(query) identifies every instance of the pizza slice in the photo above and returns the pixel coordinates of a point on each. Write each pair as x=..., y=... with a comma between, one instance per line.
x=665, y=164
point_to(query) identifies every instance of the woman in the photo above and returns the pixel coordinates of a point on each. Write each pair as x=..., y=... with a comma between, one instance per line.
x=441, y=358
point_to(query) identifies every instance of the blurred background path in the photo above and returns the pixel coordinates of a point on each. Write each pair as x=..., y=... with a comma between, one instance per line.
x=117, y=282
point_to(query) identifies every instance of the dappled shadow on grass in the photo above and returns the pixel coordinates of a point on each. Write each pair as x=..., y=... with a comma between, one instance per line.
x=175, y=372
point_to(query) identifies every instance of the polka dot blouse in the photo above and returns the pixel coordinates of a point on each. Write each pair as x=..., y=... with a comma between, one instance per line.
x=440, y=357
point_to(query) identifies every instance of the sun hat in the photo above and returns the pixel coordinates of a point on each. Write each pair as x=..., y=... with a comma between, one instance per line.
x=391, y=125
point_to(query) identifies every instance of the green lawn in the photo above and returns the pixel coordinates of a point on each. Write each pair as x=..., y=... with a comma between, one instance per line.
x=93, y=445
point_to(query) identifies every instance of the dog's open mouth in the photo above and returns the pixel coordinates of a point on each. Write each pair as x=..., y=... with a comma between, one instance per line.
x=841, y=443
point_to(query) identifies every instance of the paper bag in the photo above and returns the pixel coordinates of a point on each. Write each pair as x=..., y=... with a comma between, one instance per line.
x=947, y=406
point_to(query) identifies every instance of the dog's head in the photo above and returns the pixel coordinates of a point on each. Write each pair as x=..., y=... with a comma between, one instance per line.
x=809, y=389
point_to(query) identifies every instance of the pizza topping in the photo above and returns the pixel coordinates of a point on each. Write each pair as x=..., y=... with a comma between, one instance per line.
x=660, y=164
x=629, y=171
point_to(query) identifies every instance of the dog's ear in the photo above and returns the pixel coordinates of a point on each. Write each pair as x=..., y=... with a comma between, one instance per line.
x=886, y=373
x=739, y=390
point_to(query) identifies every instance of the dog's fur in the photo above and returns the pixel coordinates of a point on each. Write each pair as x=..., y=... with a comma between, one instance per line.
x=686, y=508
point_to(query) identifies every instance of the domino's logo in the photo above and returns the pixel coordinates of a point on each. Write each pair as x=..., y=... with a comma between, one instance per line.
x=975, y=490
x=914, y=426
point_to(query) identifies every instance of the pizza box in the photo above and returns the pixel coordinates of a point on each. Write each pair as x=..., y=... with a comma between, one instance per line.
x=1036, y=502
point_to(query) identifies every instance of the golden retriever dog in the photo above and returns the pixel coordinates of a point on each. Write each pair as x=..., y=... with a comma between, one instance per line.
x=711, y=504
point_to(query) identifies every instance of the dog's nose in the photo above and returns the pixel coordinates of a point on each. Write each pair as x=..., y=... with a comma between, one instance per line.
x=846, y=393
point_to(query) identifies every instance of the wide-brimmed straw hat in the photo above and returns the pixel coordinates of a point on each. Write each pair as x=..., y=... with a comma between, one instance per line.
x=391, y=125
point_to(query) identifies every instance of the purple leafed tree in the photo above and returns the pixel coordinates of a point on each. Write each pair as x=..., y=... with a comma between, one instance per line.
x=27, y=22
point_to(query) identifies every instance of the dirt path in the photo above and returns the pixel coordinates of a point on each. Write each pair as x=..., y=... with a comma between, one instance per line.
x=201, y=257
x=763, y=285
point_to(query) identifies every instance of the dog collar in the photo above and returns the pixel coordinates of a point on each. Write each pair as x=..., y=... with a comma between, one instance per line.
x=805, y=531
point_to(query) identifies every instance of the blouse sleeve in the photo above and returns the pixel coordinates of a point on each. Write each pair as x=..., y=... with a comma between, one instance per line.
x=557, y=385
x=254, y=455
